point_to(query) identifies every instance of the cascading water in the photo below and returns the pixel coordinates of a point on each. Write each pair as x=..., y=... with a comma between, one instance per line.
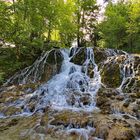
x=71, y=88
x=68, y=86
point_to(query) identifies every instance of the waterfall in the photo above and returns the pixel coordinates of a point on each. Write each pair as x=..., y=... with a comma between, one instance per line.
x=72, y=80
x=71, y=87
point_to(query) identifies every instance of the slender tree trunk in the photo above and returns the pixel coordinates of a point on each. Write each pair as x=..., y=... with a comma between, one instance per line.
x=14, y=9
x=17, y=51
x=95, y=40
x=25, y=10
x=78, y=25
x=83, y=26
x=131, y=43
x=49, y=32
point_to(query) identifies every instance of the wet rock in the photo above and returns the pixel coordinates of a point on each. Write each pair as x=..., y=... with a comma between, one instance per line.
x=132, y=85
x=137, y=126
x=72, y=70
x=120, y=132
x=126, y=116
x=8, y=111
x=41, y=70
x=109, y=128
x=126, y=103
x=120, y=97
x=136, y=65
x=116, y=119
x=73, y=51
x=9, y=96
x=40, y=129
x=52, y=66
x=85, y=99
x=31, y=106
x=90, y=71
x=54, y=57
x=101, y=101
x=138, y=102
x=107, y=92
x=80, y=57
x=71, y=100
x=100, y=55
x=6, y=124
x=111, y=75
x=103, y=127
x=134, y=95
x=135, y=108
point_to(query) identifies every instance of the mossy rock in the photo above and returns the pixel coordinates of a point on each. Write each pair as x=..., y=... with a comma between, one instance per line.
x=121, y=132
x=42, y=72
x=137, y=65
x=132, y=85
x=80, y=57
x=53, y=65
x=54, y=57
x=99, y=55
x=67, y=118
x=111, y=75
x=113, y=129
x=8, y=111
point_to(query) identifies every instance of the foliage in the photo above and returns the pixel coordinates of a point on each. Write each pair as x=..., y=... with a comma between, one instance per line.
x=39, y=25
x=86, y=20
x=121, y=26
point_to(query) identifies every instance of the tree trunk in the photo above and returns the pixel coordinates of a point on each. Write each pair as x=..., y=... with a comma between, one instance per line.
x=131, y=43
x=14, y=5
x=95, y=40
x=17, y=51
x=49, y=32
x=78, y=25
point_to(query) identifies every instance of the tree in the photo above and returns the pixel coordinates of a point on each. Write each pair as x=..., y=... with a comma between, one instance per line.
x=86, y=19
x=133, y=26
x=113, y=28
x=120, y=28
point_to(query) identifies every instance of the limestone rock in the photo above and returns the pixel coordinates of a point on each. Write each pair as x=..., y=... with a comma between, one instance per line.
x=80, y=57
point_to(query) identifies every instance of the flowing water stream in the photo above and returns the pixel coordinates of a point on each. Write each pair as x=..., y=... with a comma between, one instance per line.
x=71, y=88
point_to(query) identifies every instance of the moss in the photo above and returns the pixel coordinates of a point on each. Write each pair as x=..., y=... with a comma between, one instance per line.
x=111, y=75
x=19, y=128
x=132, y=85
x=80, y=56
x=9, y=64
x=54, y=57
x=99, y=55
x=8, y=111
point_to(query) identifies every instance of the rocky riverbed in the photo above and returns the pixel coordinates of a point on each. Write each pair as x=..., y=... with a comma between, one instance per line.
x=76, y=94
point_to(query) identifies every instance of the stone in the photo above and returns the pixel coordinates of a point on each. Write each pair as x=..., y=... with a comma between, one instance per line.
x=120, y=132
x=52, y=66
x=101, y=101
x=40, y=129
x=8, y=111
x=111, y=75
x=120, y=97
x=99, y=55
x=80, y=57
x=85, y=99
x=126, y=103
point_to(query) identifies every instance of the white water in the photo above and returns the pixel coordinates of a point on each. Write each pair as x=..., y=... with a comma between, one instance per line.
x=66, y=89
x=71, y=87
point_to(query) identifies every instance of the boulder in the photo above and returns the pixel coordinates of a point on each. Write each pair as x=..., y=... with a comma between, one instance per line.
x=80, y=56
x=99, y=55
x=111, y=75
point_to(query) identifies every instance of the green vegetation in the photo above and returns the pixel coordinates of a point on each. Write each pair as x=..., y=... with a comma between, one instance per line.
x=121, y=27
x=33, y=26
